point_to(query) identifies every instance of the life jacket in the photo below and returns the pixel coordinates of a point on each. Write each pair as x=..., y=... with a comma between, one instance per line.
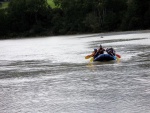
x=101, y=51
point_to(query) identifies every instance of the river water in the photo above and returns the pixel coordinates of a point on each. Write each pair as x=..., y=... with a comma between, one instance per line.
x=51, y=75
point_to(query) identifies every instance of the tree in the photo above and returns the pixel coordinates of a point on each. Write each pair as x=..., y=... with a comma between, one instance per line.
x=3, y=22
x=74, y=14
x=111, y=14
x=28, y=15
x=137, y=15
x=95, y=15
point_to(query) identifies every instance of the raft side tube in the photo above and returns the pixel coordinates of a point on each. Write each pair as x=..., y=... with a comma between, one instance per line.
x=105, y=57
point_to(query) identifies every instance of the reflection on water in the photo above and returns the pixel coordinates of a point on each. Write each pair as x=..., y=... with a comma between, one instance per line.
x=50, y=75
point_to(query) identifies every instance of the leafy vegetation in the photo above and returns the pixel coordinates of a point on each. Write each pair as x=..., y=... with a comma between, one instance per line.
x=51, y=3
x=5, y=4
x=37, y=17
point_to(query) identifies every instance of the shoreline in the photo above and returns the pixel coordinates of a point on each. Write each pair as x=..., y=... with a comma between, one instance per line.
x=76, y=34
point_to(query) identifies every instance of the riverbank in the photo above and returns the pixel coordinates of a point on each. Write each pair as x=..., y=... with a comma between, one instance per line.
x=46, y=34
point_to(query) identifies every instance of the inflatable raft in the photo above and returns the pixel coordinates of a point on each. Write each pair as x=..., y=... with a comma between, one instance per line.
x=105, y=57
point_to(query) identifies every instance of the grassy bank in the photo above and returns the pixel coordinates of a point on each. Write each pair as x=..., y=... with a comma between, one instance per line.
x=5, y=4
x=51, y=3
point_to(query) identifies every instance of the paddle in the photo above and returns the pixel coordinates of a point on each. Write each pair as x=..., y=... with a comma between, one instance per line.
x=118, y=55
x=88, y=56
x=91, y=60
x=91, y=55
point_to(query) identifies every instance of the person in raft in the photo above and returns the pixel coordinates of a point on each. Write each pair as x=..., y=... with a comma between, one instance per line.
x=111, y=51
x=96, y=52
x=99, y=51
x=91, y=55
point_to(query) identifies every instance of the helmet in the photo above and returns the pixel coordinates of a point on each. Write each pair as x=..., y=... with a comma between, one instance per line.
x=95, y=50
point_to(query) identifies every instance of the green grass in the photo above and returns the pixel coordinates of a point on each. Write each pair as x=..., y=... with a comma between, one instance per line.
x=4, y=5
x=51, y=3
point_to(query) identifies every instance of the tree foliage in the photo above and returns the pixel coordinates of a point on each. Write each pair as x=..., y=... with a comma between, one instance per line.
x=25, y=15
x=95, y=15
x=73, y=16
x=137, y=15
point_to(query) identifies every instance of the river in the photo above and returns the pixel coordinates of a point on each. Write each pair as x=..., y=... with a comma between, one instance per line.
x=51, y=75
